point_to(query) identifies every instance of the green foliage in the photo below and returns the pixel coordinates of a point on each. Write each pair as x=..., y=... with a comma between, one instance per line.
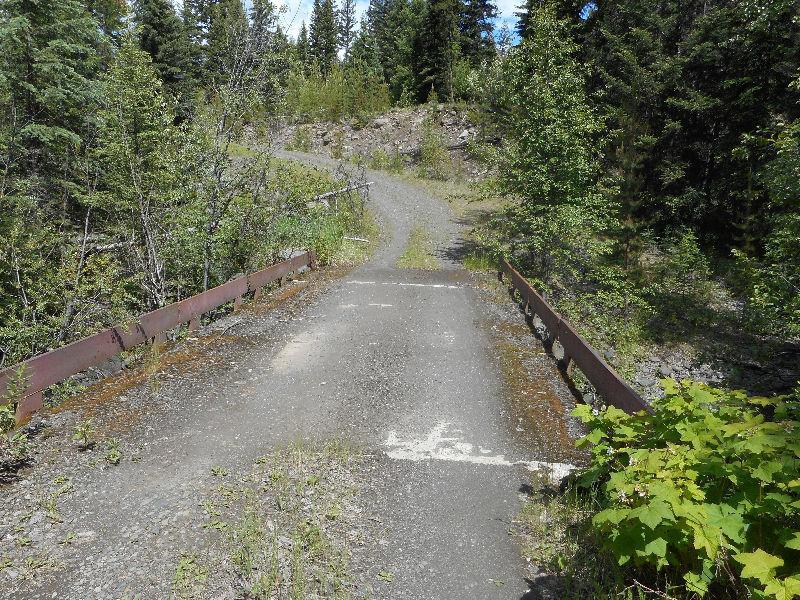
x=706, y=487
x=163, y=37
x=433, y=159
x=343, y=93
x=301, y=140
x=84, y=433
x=113, y=453
x=681, y=282
x=380, y=159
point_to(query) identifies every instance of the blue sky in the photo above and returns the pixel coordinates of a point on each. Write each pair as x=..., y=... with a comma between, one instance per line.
x=297, y=11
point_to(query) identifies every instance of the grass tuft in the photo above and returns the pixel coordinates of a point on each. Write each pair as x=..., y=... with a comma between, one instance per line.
x=419, y=252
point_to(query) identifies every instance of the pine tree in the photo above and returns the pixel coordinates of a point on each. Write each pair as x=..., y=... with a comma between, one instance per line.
x=346, y=19
x=476, y=40
x=323, y=35
x=163, y=36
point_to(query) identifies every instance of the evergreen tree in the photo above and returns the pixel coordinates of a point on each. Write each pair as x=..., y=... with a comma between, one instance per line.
x=395, y=25
x=48, y=58
x=323, y=35
x=476, y=40
x=141, y=174
x=440, y=50
x=364, y=54
x=163, y=36
x=523, y=15
x=48, y=95
x=551, y=155
x=196, y=16
x=347, y=26
x=226, y=33
x=303, y=48
x=263, y=23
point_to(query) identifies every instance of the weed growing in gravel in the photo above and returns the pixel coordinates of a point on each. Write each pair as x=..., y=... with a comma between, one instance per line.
x=557, y=538
x=68, y=539
x=113, y=453
x=83, y=434
x=418, y=253
x=287, y=526
x=50, y=504
x=189, y=578
x=218, y=471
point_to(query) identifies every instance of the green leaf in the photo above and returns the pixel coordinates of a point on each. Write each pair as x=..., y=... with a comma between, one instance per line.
x=758, y=565
x=696, y=583
x=766, y=470
x=653, y=513
x=794, y=543
x=783, y=590
x=728, y=519
x=657, y=547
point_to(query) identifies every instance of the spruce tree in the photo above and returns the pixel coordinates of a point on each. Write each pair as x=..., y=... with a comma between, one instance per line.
x=323, y=35
x=303, y=48
x=364, y=53
x=523, y=15
x=163, y=36
x=346, y=19
x=227, y=29
x=263, y=23
x=439, y=43
x=48, y=59
x=476, y=28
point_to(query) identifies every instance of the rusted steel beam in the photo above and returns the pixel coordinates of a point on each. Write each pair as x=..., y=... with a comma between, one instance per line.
x=606, y=381
x=51, y=367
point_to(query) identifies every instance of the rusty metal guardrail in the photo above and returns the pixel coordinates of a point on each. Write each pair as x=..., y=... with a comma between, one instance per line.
x=606, y=381
x=56, y=365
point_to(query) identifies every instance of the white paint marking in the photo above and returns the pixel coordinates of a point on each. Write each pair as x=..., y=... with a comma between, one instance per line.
x=436, y=446
x=381, y=305
x=398, y=283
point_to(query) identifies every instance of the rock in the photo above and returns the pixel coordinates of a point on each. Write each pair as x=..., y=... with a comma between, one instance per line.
x=463, y=135
x=380, y=122
x=665, y=370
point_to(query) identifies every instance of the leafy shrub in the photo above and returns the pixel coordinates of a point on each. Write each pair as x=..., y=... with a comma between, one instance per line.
x=681, y=281
x=434, y=160
x=348, y=92
x=708, y=486
x=301, y=140
x=381, y=159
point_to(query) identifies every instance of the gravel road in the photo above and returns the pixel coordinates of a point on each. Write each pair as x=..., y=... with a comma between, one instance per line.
x=404, y=363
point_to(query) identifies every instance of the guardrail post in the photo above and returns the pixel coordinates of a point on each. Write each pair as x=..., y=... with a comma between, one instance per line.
x=194, y=323
x=257, y=293
x=237, y=303
x=160, y=339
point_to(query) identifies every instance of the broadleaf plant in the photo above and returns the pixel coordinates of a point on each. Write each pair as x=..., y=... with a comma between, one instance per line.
x=708, y=487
